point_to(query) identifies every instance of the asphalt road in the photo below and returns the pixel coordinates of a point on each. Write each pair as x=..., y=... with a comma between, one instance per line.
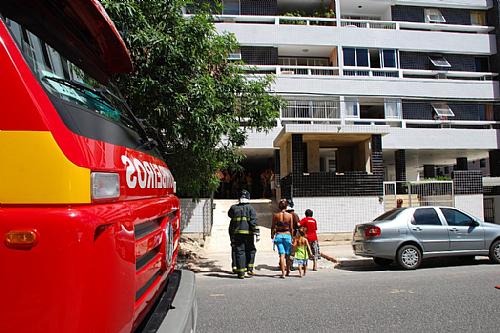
x=439, y=297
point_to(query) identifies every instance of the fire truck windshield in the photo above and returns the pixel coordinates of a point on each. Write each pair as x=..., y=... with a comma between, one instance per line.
x=72, y=85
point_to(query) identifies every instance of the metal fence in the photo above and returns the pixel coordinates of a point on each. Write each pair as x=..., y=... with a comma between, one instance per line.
x=197, y=216
x=421, y=193
x=208, y=217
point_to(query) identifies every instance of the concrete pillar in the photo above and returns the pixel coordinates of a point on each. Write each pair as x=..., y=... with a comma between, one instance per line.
x=364, y=158
x=284, y=156
x=313, y=156
x=377, y=157
x=462, y=163
x=400, y=165
x=299, y=154
x=400, y=168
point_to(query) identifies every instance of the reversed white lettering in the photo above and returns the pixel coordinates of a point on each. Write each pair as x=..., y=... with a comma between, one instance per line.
x=146, y=174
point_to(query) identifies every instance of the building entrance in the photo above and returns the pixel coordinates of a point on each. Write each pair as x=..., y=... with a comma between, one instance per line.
x=256, y=176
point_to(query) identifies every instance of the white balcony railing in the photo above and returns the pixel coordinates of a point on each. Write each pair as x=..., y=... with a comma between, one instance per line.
x=287, y=117
x=345, y=23
x=376, y=72
x=293, y=70
x=369, y=24
x=366, y=72
x=314, y=110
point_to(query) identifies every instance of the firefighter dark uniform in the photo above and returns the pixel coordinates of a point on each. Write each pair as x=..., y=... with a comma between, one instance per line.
x=242, y=230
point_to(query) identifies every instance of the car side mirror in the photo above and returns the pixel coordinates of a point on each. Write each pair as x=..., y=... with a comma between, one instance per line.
x=474, y=223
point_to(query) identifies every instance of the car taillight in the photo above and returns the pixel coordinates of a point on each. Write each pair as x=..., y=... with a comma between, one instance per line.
x=372, y=231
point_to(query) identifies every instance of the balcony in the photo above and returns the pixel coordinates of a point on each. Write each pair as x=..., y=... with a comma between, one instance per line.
x=349, y=23
x=400, y=83
x=365, y=111
x=325, y=71
x=313, y=31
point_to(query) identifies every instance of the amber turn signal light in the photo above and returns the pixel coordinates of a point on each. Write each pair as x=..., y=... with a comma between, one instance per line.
x=21, y=239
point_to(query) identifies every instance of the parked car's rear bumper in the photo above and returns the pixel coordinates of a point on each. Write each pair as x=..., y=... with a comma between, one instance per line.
x=377, y=248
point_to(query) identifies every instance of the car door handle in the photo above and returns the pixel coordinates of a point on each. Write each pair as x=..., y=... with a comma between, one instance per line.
x=417, y=229
x=454, y=229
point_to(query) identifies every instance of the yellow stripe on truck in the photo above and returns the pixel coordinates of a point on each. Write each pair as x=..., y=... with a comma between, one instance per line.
x=34, y=170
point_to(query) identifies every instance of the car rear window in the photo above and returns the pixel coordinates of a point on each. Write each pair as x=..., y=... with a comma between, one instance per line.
x=389, y=215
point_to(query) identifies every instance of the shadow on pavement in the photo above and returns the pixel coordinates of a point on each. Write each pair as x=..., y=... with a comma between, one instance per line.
x=370, y=266
x=229, y=275
x=269, y=268
x=225, y=275
x=204, y=265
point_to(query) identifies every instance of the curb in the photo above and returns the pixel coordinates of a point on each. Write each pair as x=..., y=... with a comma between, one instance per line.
x=350, y=262
x=347, y=262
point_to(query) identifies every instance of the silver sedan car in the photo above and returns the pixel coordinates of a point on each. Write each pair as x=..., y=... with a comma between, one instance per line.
x=407, y=235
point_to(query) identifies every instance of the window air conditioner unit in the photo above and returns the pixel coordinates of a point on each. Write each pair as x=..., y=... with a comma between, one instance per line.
x=234, y=56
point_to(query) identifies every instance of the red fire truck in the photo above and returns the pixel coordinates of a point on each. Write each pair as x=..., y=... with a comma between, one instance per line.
x=89, y=220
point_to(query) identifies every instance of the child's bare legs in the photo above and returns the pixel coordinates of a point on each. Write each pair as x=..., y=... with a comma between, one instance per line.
x=305, y=269
x=300, y=267
x=315, y=268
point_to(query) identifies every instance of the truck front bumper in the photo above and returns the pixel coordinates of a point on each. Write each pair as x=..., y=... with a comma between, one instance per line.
x=177, y=309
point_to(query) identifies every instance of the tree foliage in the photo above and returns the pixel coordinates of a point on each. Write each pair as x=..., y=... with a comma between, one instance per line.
x=183, y=84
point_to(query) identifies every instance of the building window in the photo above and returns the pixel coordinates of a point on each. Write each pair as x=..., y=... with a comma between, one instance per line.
x=482, y=64
x=356, y=57
x=392, y=108
x=439, y=61
x=231, y=7
x=389, y=59
x=351, y=107
x=433, y=15
x=442, y=110
x=482, y=163
x=477, y=17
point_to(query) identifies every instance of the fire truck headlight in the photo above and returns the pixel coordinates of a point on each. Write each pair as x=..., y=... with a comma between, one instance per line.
x=105, y=185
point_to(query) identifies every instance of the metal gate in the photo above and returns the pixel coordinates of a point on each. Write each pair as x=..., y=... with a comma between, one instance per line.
x=421, y=193
x=489, y=209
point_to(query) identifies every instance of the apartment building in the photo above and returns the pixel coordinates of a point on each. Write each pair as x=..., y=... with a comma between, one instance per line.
x=376, y=91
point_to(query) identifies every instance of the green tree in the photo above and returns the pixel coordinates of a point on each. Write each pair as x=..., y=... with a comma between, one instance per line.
x=183, y=84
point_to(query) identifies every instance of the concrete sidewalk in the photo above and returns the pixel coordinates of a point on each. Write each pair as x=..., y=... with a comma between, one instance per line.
x=215, y=256
x=266, y=262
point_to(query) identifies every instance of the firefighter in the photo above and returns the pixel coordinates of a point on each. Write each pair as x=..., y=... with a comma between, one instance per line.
x=242, y=230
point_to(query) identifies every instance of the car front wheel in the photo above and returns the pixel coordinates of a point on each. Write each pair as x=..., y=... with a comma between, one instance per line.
x=382, y=261
x=495, y=252
x=409, y=257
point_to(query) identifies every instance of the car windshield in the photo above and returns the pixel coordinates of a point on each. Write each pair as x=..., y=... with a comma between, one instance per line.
x=67, y=81
x=389, y=215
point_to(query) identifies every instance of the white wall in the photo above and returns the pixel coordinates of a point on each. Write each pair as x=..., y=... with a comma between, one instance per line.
x=262, y=139
x=476, y=4
x=431, y=138
x=339, y=214
x=250, y=34
x=387, y=87
x=472, y=204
